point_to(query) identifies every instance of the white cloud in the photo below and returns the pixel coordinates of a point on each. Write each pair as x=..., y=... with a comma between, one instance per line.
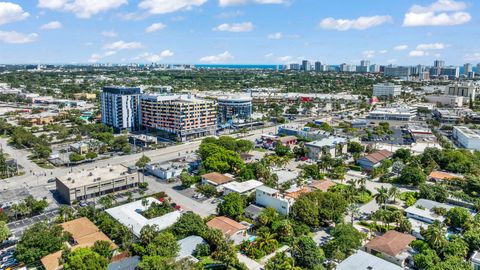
x=417, y=53
x=155, y=27
x=382, y=51
x=219, y=58
x=156, y=57
x=269, y=55
x=474, y=57
x=110, y=34
x=10, y=12
x=400, y=47
x=51, y=25
x=230, y=15
x=277, y=35
x=17, y=38
x=235, y=27
x=94, y=58
x=169, y=6
x=285, y=59
x=226, y=3
x=360, y=23
x=441, y=12
x=431, y=46
x=82, y=8
x=368, y=53
x=122, y=45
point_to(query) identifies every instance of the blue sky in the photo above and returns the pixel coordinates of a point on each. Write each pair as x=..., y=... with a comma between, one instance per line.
x=239, y=31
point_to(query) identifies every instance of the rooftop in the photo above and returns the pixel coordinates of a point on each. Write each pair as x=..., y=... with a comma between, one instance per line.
x=378, y=156
x=322, y=185
x=242, y=187
x=79, y=178
x=391, y=243
x=470, y=133
x=217, y=178
x=330, y=141
x=361, y=260
x=267, y=190
x=226, y=225
x=188, y=246
x=444, y=175
x=423, y=208
x=130, y=215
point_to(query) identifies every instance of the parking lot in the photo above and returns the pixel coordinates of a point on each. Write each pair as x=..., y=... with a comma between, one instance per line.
x=17, y=227
x=191, y=193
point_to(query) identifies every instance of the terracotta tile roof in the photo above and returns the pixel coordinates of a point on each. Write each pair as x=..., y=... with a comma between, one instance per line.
x=84, y=233
x=444, y=175
x=295, y=194
x=391, y=243
x=217, y=178
x=226, y=225
x=379, y=156
x=322, y=185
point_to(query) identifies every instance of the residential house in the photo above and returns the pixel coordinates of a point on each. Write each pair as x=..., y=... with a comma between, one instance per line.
x=392, y=246
x=167, y=170
x=269, y=197
x=229, y=227
x=187, y=247
x=362, y=260
x=333, y=146
x=84, y=234
x=216, y=179
x=243, y=188
x=444, y=177
x=322, y=185
x=374, y=160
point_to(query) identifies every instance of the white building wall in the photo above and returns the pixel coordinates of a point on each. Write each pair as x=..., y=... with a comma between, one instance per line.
x=266, y=200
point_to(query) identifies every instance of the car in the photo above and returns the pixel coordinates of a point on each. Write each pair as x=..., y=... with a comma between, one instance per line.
x=83, y=204
x=51, y=180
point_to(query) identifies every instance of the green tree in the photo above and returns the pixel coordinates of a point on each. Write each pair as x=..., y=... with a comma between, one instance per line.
x=307, y=254
x=345, y=239
x=381, y=197
x=458, y=217
x=233, y=205
x=4, y=231
x=412, y=175
x=142, y=163
x=187, y=179
x=355, y=147
x=38, y=241
x=427, y=259
x=281, y=261
x=403, y=154
x=107, y=201
x=189, y=224
x=103, y=248
x=85, y=259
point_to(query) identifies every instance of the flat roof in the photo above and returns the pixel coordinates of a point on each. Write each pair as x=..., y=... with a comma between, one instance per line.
x=267, y=190
x=242, y=187
x=188, y=246
x=217, y=178
x=362, y=260
x=129, y=215
x=79, y=178
x=330, y=141
x=423, y=208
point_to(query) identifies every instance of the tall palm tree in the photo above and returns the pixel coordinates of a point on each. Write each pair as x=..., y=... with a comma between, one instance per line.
x=266, y=241
x=354, y=211
x=393, y=193
x=382, y=196
x=362, y=182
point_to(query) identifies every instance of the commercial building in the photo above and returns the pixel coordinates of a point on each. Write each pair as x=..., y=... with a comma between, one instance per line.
x=451, y=72
x=462, y=89
x=466, y=137
x=365, y=261
x=333, y=146
x=445, y=100
x=179, y=117
x=216, y=179
x=386, y=90
x=234, y=109
x=166, y=170
x=269, y=197
x=130, y=216
x=120, y=107
x=393, y=246
x=403, y=73
x=446, y=116
x=393, y=114
x=306, y=65
x=86, y=184
x=373, y=160
x=85, y=96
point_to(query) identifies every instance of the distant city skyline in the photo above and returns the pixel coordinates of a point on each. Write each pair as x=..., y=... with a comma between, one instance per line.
x=408, y=32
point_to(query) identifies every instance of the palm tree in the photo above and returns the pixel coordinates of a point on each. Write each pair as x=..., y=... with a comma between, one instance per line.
x=382, y=196
x=266, y=241
x=393, y=192
x=352, y=183
x=362, y=182
x=354, y=211
x=435, y=235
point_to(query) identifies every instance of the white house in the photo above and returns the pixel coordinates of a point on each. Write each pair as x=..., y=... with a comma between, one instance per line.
x=241, y=187
x=269, y=197
x=165, y=170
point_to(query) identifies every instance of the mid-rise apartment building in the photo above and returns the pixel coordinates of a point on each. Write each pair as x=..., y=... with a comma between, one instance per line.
x=234, y=109
x=269, y=197
x=178, y=117
x=386, y=90
x=120, y=107
x=466, y=137
x=463, y=90
x=403, y=73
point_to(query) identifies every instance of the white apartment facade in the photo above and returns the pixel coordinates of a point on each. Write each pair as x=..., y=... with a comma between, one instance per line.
x=270, y=197
x=386, y=90
x=466, y=137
